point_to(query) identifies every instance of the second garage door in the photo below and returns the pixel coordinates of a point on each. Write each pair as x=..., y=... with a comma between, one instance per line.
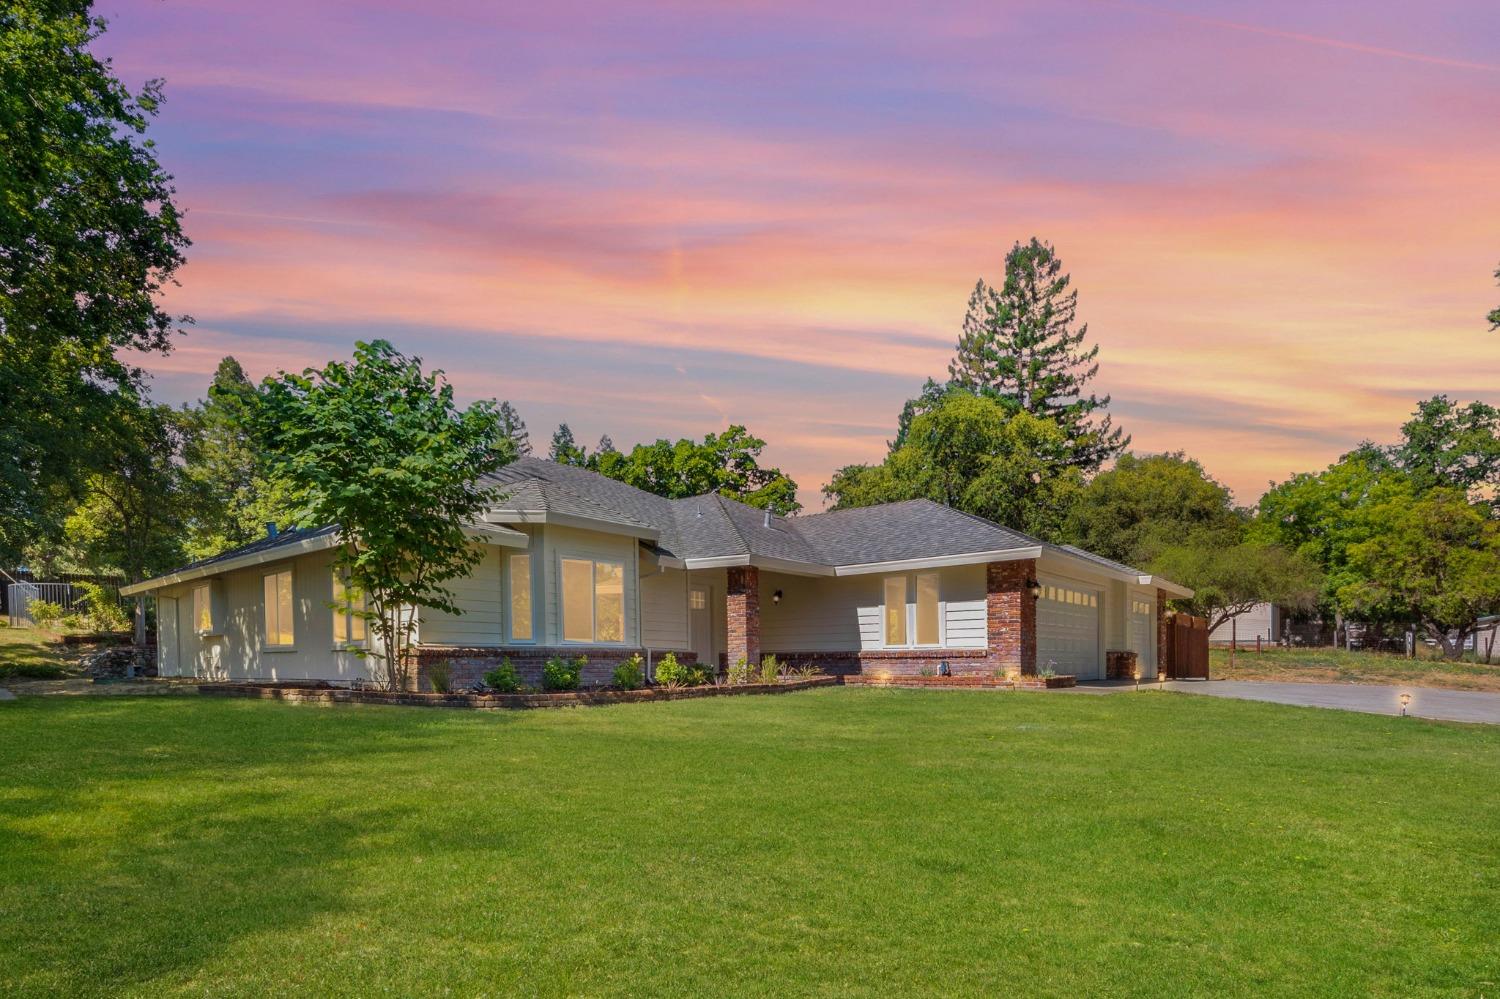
x=1067, y=619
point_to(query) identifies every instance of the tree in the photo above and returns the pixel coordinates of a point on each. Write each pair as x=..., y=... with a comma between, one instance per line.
x=90, y=235
x=226, y=474
x=1494, y=316
x=1436, y=564
x=378, y=448
x=133, y=509
x=1022, y=344
x=1447, y=445
x=1146, y=502
x=973, y=453
x=511, y=439
x=564, y=450
x=727, y=463
x=1229, y=580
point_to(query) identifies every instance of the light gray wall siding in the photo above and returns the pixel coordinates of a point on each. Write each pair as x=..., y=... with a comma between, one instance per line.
x=480, y=598
x=557, y=543
x=664, y=608
x=842, y=614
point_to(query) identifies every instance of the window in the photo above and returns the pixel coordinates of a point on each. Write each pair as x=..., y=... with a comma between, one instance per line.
x=698, y=600
x=203, y=615
x=895, y=610
x=520, y=598
x=348, y=606
x=593, y=600
x=927, y=608
x=278, y=608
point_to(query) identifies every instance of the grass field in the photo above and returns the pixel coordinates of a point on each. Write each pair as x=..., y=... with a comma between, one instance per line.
x=30, y=647
x=839, y=841
x=1329, y=665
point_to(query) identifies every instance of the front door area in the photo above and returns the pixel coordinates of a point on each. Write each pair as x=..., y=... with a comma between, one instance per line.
x=701, y=623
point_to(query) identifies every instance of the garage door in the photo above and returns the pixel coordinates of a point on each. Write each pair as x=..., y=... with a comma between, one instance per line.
x=1143, y=634
x=1067, y=619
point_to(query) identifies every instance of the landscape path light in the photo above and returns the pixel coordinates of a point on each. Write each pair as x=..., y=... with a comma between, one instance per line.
x=1405, y=700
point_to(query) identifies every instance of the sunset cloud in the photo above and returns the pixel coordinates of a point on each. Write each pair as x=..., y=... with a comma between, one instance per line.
x=652, y=220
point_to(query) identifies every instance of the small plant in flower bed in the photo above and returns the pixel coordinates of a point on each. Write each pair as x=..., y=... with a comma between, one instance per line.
x=670, y=672
x=804, y=672
x=440, y=675
x=563, y=674
x=770, y=669
x=740, y=673
x=630, y=673
x=504, y=678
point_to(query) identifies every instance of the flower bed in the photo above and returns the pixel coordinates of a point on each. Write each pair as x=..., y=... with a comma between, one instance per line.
x=322, y=693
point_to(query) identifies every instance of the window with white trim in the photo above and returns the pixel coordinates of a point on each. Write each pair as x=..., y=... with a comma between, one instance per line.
x=593, y=600
x=277, y=588
x=912, y=612
x=519, y=582
x=348, y=612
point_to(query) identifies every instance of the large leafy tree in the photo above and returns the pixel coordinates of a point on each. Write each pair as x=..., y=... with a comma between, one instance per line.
x=1023, y=344
x=377, y=447
x=975, y=454
x=1145, y=502
x=727, y=463
x=227, y=476
x=89, y=235
x=1449, y=445
x=1230, y=578
x=1435, y=563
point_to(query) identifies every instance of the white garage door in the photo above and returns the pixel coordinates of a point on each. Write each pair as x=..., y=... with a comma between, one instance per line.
x=1068, y=630
x=1143, y=634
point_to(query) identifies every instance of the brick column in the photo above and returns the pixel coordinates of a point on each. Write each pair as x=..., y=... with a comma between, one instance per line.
x=1010, y=616
x=1163, y=635
x=743, y=612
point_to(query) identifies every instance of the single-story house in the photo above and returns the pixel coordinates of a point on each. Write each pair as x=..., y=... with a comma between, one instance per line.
x=578, y=564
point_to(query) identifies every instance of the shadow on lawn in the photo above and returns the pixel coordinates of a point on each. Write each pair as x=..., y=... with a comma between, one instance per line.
x=172, y=829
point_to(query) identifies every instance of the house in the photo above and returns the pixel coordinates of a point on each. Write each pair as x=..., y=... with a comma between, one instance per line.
x=578, y=564
x=1263, y=621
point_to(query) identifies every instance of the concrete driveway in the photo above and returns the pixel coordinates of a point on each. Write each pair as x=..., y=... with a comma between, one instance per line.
x=1426, y=702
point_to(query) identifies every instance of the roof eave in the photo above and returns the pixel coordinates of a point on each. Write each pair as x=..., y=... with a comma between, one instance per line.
x=573, y=520
x=938, y=561
x=305, y=546
x=1168, y=587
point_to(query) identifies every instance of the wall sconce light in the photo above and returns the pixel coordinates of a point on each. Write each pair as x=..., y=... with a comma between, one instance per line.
x=1034, y=588
x=1405, y=700
x=776, y=597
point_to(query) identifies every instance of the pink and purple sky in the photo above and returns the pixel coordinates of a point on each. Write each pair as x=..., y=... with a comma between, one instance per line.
x=655, y=219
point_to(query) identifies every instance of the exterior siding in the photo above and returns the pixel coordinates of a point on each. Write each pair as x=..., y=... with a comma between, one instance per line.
x=558, y=543
x=842, y=614
x=1259, y=621
x=664, y=609
x=481, y=598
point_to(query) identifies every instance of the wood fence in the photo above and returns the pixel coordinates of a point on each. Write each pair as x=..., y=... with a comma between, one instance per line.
x=1187, y=648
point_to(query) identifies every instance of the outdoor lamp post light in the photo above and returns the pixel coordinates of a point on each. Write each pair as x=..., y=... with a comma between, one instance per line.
x=1137, y=675
x=1405, y=700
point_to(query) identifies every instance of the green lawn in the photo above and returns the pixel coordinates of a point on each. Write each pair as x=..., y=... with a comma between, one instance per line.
x=839, y=841
x=1328, y=665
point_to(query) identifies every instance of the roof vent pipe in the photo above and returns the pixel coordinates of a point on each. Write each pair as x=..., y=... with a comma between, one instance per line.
x=768, y=517
x=270, y=528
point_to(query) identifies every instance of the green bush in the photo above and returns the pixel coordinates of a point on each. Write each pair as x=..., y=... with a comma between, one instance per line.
x=503, y=678
x=440, y=675
x=102, y=610
x=31, y=671
x=630, y=673
x=563, y=674
x=74, y=622
x=670, y=672
x=45, y=613
x=770, y=669
x=739, y=673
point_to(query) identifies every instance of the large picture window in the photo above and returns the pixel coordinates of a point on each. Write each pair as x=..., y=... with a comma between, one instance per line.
x=912, y=613
x=593, y=600
x=348, y=613
x=520, y=598
x=278, y=609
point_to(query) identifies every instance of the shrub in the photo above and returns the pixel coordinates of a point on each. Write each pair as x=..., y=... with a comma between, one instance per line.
x=670, y=672
x=805, y=672
x=770, y=669
x=563, y=674
x=740, y=672
x=503, y=678
x=31, y=671
x=45, y=613
x=103, y=611
x=927, y=671
x=1048, y=671
x=440, y=675
x=73, y=622
x=629, y=674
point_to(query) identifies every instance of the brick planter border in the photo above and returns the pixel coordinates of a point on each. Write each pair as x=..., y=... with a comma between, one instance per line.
x=963, y=682
x=308, y=693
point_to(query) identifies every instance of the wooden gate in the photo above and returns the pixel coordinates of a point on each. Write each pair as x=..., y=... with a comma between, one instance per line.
x=1187, y=648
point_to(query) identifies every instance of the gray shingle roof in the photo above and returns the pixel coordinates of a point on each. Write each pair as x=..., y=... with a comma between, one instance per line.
x=291, y=536
x=713, y=526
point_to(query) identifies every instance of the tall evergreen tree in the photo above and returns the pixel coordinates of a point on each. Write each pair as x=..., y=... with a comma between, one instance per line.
x=511, y=438
x=1022, y=344
x=565, y=450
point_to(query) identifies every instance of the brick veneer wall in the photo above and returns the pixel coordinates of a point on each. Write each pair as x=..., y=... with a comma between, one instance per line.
x=1010, y=615
x=469, y=665
x=895, y=662
x=1163, y=635
x=1119, y=664
x=742, y=611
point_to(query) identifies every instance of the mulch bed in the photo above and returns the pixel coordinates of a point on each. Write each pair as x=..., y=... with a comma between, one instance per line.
x=309, y=693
